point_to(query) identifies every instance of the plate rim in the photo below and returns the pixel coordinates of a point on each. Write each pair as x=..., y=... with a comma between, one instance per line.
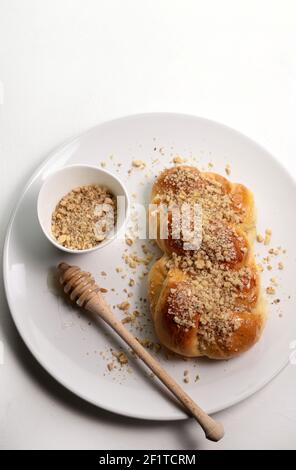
x=52, y=156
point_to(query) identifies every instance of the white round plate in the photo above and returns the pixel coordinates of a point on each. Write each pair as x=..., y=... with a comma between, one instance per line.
x=76, y=349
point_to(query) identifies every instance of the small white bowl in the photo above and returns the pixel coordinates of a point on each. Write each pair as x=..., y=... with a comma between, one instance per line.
x=59, y=183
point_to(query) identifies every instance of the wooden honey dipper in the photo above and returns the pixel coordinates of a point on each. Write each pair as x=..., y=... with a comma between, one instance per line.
x=82, y=288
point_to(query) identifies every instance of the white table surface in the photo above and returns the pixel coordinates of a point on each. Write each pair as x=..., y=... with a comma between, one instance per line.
x=66, y=65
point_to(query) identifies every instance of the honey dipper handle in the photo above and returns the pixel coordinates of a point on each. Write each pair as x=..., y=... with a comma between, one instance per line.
x=213, y=430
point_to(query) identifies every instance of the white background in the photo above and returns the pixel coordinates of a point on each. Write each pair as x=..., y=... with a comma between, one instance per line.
x=66, y=65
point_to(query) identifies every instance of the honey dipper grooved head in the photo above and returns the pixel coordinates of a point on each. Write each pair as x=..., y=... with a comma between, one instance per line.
x=79, y=285
x=63, y=266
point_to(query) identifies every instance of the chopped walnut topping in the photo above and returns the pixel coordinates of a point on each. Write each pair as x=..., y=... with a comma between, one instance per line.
x=82, y=218
x=200, y=263
x=211, y=298
x=220, y=210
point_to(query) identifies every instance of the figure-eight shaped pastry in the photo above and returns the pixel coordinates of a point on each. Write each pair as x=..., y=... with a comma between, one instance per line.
x=205, y=301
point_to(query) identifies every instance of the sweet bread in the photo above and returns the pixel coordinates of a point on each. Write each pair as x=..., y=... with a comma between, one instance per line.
x=206, y=301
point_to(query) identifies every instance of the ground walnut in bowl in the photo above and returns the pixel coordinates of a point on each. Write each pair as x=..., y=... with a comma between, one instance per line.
x=84, y=217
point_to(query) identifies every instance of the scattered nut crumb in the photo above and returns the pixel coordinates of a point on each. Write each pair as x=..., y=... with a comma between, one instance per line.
x=138, y=164
x=121, y=357
x=124, y=305
x=127, y=319
x=268, y=233
x=179, y=159
x=260, y=238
